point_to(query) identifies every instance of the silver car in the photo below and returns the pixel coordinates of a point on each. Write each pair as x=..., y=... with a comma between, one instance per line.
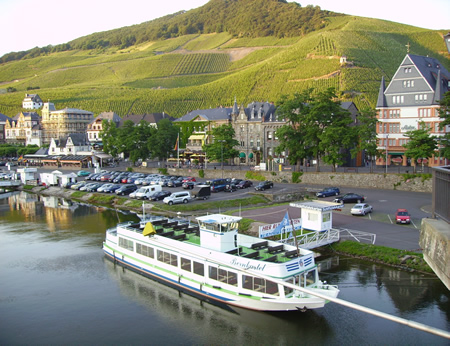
x=361, y=209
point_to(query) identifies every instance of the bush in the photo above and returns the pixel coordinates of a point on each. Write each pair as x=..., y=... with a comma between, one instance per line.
x=162, y=171
x=252, y=175
x=296, y=177
x=201, y=173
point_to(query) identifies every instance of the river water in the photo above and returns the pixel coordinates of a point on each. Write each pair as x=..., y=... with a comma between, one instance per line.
x=57, y=288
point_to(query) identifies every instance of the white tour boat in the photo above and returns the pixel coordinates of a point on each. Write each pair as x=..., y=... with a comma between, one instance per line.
x=212, y=261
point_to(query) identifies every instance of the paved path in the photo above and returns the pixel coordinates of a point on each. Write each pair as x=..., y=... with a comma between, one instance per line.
x=402, y=237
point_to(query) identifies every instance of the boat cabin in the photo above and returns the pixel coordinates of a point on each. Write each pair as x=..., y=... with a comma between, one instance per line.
x=219, y=232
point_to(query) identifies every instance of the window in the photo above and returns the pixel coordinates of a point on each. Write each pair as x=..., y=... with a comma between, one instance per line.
x=223, y=275
x=269, y=135
x=311, y=277
x=167, y=257
x=145, y=250
x=242, y=128
x=259, y=285
x=126, y=244
x=185, y=264
x=199, y=268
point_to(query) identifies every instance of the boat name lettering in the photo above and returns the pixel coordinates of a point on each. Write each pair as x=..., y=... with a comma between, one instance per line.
x=248, y=265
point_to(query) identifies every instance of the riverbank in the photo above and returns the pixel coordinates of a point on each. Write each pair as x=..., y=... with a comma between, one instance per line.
x=401, y=259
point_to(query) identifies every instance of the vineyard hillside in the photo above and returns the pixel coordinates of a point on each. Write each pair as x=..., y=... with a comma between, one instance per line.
x=196, y=71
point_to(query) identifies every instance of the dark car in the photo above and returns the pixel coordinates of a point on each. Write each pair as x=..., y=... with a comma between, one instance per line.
x=329, y=191
x=93, y=187
x=188, y=185
x=112, y=188
x=243, y=184
x=350, y=198
x=175, y=183
x=158, y=196
x=126, y=189
x=230, y=188
x=264, y=185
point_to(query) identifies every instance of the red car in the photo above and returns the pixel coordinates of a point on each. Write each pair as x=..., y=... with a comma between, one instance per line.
x=402, y=216
x=188, y=179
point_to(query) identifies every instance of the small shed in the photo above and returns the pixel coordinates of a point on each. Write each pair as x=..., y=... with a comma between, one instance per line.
x=64, y=179
x=317, y=215
x=51, y=179
x=27, y=175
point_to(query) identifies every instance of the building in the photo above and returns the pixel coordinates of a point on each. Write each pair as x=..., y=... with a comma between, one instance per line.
x=61, y=123
x=72, y=144
x=3, y=120
x=22, y=128
x=153, y=118
x=95, y=127
x=32, y=101
x=411, y=97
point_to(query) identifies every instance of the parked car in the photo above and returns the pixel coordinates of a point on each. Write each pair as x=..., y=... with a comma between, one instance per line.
x=78, y=185
x=402, y=216
x=126, y=189
x=361, y=209
x=93, y=187
x=178, y=197
x=175, y=183
x=329, y=191
x=102, y=188
x=235, y=181
x=243, y=184
x=188, y=185
x=187, y=179
x=83, y=173
x=217, y=185
x=159, y=195
x=86, y=186
x=112, y=189
x=230, y=188
x=350, y=198
x=264, y=185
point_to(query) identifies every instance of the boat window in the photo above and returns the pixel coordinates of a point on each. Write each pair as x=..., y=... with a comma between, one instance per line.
x=311, y=277
x=126, y=244
x=199, y=268
x=145, y=250
x=185, y=264
x=260, y=285
x=223, y=275
x=167, y=257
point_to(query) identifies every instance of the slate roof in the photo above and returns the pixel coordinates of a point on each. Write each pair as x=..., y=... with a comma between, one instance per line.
x=4, y=118
x=212, y=114
x=33, y=97
x=78, y=139
x=152, y=118
x=32, y=115
x=108, y=116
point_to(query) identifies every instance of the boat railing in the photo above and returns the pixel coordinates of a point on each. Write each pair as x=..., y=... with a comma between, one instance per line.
x=314, y=239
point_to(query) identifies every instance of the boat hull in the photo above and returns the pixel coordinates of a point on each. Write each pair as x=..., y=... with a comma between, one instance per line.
x=216, y=295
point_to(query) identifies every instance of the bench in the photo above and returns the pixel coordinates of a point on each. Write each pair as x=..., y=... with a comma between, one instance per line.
x=291, y=254
x=168, y=234
x=251, y=255
x=271, y=259
x=181, y=226
x=170, y=224
x=159, y=222
x=260, y=245
x=181, y=236
x=275, y=249
x=234, y=251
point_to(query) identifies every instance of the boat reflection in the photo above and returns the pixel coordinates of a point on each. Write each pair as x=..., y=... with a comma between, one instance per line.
x=188, y=312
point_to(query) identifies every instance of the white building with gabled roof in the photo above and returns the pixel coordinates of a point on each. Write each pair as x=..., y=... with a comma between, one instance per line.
x=411, y=97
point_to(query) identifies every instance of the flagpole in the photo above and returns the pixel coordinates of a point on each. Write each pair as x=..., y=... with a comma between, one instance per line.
x=178, y=151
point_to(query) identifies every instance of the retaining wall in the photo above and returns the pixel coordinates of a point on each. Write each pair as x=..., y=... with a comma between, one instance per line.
x=390, y=181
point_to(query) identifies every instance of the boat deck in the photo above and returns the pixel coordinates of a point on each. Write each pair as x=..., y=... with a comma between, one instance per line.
x=186, y=232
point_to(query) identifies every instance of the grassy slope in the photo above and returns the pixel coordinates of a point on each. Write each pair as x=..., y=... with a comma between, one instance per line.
x=208, y=70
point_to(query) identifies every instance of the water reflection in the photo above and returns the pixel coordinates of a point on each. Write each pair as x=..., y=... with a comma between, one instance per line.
x=240, y=326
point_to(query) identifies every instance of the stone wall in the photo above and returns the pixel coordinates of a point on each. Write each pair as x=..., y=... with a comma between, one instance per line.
x=435, y=242
x=390, y=181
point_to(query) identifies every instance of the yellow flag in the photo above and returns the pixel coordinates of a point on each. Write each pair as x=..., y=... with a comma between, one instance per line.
x=149, y=229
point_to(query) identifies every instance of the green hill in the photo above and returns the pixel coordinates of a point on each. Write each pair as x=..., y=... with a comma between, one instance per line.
x=203, y=70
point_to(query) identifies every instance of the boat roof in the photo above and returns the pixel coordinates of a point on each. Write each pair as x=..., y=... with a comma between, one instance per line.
x=317, y=205
x=218, y=218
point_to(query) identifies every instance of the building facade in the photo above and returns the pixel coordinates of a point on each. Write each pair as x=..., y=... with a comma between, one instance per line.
x=411, y=97
x=22, y=128
x=95, y=127
x=32, y=101
x=61, y=123
x=3, y=120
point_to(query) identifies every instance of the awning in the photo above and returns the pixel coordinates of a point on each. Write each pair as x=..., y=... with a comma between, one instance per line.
x=242, y=155
x=250, y=156
x=197, y=137
x=103, y=156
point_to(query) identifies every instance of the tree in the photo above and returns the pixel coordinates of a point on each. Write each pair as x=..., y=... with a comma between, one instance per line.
x=162, y=143
x=367, y=134
x=420, y=145
x=223, y=145
x=109, y=136
x=444, y=113
x=292, y=136
x=137, y=141
x=322, y=127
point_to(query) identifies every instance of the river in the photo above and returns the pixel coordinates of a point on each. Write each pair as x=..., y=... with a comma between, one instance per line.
x=56, y=287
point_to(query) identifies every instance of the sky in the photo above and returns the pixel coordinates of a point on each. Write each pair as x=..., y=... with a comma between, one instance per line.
x=25, y=24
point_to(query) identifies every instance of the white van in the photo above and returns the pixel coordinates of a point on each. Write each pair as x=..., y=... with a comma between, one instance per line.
x=145, y=192
x=178, y=197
